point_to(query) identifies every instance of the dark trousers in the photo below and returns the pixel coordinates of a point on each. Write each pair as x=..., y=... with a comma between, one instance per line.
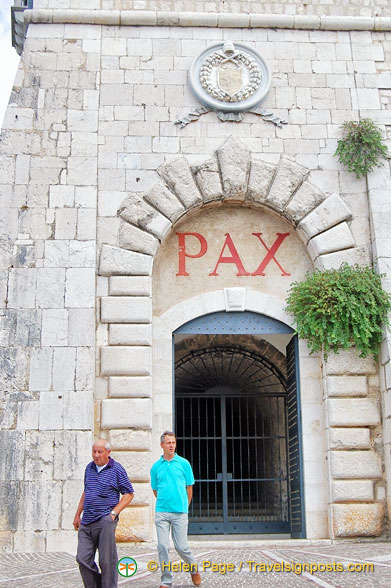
x=100, y=536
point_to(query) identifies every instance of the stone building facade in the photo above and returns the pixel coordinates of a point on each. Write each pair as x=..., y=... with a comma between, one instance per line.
x=133, y=250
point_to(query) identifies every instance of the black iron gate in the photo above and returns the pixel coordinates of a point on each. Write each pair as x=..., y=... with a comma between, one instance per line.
x=231, y=425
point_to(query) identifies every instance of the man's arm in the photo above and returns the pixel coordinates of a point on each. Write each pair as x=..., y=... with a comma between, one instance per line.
x=126, y=499
x=77, y=519
x=189, y=490
x=155, y=493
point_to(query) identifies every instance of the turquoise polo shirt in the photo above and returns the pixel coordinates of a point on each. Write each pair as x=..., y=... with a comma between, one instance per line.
x=169, y=479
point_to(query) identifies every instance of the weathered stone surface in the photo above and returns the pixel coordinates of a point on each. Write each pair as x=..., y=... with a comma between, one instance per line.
x=12, y=459
x=133, y=413
x=357, y=255
x=137, y=212
x=207, y=177
x=39, y=455
x=136, y=463
x=135, y=386
x=134, y=524
x=347, y=362
x=305, y=199
x=234, y=162
x=355, y=465
x=72, y=452
x=134, y=440
x=350, y=438
x=130, y=334
x=352, y=491
x=125, y=361
x=358, y=520
x=330, y=212
x=129, y=286
x=126, y=309
x=288, y=177
x=261, y=176
x=116, y=261
x=133, y=238
x=41, y=505
x=353, y=412
x=143, y=495
x=337, y=238
x=346, y=386
x=178, y=177
x=165, y=201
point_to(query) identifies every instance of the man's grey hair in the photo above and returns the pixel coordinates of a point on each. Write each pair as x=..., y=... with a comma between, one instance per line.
x=166, y=434
x=106, y=445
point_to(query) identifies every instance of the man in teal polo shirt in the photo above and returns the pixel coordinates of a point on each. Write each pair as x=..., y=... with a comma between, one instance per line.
x=172, y=484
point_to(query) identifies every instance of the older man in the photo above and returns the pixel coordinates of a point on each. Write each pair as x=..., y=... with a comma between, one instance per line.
x=172, y=484
x=100, y=503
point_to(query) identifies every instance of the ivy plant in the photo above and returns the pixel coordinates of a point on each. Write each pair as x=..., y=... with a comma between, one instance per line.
x=361, y=147
x=340, y=308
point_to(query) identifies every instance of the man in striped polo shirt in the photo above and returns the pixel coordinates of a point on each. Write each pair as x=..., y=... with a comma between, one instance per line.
x=172, y=482
x=100, y=503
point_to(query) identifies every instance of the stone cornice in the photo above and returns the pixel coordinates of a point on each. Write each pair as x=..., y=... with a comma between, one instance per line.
x=208, y=19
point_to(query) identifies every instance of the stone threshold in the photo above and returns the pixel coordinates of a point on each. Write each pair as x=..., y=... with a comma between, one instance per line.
x=207, y=19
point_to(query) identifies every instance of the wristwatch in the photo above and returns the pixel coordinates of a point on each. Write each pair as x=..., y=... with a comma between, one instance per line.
x=113, y=513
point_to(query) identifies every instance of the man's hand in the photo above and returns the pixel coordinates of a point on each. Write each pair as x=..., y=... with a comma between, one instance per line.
x=76, y=522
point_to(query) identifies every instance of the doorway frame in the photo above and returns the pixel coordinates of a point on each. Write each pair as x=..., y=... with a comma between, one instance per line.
x=315, y=474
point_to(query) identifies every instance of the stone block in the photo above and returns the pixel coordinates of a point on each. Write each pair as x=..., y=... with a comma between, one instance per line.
x=135, y=413
x=358, y=520
x=54, y=327
x=130, y=286
x=28, y=415
x=260, y=178
x=71, y=493
x=132, y=334
x=133, y=238
x=350, y=438
x=136, y=211
x=64, y=364
x=41, y=505
x=61, y=540
x=85, y=368
x=116, y=261
x=353, y=412
x=72, y=452
x=29, y=541
x=41, y=369
x=21, y=287
x=80, y=288
x=136, y=386
x=134, y=525
x=165, y=201
x=329, y=213
x=352, y=491
x=134, y=440
x=178, y=177
x=78, y=409
x=234, y=163
x=207, y=177
x=50, y=287
x=81, y=325
x=126, y=309
x=51, y=410
x=357, y=255
x=348, y=362
x=66, y=220
x=347, y=386
x=136, y=463
x=12, y=458
x=355, y=465
x=335, y=239
x=305, y=199
x=125, y=361
x=39, y=455
x=289, y=176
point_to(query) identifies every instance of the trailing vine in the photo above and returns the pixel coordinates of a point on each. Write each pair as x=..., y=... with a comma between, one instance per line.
x=340, y=308
x=361, y=147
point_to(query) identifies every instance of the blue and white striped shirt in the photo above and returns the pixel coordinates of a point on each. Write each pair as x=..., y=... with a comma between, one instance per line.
x=102, y=490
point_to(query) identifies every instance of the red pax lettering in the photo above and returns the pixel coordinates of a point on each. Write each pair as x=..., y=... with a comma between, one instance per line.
x=234, y=256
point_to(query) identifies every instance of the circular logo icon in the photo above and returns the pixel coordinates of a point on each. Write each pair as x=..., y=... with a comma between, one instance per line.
x=127, y=566
x=230, y=77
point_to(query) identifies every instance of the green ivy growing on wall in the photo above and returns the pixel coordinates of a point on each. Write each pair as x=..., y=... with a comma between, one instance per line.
x=361, y=147
x=340, y=308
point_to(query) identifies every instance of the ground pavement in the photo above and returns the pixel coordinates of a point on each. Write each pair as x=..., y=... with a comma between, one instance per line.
x=223, y=564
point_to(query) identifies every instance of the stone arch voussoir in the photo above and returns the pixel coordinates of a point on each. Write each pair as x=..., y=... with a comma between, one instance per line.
x=231, y=174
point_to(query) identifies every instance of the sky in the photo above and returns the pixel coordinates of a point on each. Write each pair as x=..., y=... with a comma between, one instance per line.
x=9, y=59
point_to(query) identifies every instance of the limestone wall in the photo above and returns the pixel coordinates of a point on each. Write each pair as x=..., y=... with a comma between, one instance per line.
x=90, y=121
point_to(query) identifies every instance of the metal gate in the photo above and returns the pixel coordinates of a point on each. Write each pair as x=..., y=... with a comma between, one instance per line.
x=231, y=424
x=233, y=412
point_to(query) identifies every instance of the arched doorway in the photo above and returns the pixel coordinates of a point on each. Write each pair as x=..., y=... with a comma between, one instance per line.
x=237, y=420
